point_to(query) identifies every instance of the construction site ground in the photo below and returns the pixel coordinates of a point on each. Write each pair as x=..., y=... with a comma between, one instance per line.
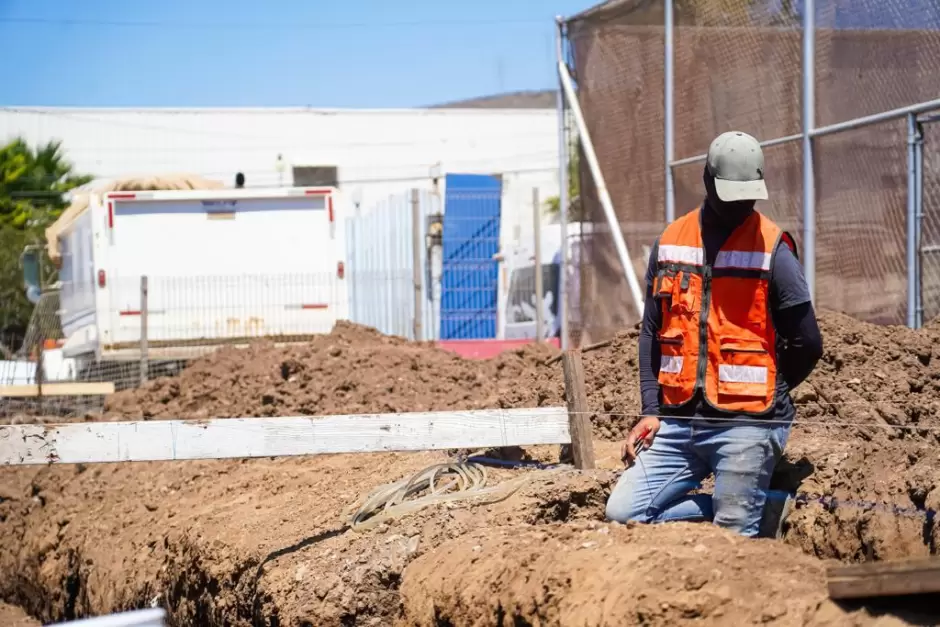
x=264, y=541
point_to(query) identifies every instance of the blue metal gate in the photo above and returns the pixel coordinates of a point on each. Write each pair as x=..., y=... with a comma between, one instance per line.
x=470, y=240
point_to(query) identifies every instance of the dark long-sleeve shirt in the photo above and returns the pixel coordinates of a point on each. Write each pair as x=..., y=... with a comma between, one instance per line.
x=799, y=343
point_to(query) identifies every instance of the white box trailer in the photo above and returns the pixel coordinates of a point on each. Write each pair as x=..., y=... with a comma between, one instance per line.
x=223, y=266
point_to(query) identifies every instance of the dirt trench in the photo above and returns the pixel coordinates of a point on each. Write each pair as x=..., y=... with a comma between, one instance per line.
x=218, y=556
x=214, y=555
x=260, y=542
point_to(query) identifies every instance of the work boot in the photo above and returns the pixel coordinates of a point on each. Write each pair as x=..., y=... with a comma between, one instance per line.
x=776, y=510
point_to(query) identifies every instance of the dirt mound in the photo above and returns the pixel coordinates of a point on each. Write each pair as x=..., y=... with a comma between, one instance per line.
x=884, y=380
x=261, y=541
x=861, y=460
x=871, y=378
x=861, y=501
x=591, y=574
x=611, y=378
x=354, y=369
x=12, y=616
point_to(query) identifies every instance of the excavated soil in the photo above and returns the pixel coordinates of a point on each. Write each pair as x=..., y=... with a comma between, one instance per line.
x=261, y=542
x=590, y=574
x=12, y=616
x=352, y=370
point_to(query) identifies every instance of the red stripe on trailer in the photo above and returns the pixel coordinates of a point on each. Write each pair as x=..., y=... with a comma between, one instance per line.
x=129, y=312
x=122, y=196
x=110, y=215
x=308, y=306
x=317, y=192
x=329, y=208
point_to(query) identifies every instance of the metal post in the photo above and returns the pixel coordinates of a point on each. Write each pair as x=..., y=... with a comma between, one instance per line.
x=809, y=123
x=919, y=219
x=563, y=187
x=539, y=288
x=669, y=101
x=40, y=374
x=417, y=275
x=144, y=344
x=912, y=221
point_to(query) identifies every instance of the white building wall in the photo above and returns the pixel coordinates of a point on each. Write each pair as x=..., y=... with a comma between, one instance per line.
x=378, y=152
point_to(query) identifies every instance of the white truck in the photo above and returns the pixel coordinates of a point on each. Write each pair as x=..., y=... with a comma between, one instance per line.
x=518, y=321
x=223, y=266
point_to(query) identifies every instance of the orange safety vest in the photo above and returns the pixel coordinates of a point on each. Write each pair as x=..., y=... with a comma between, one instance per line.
x=717, y=334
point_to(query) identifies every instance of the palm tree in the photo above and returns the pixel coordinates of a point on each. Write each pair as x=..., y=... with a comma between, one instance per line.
x=33, y=184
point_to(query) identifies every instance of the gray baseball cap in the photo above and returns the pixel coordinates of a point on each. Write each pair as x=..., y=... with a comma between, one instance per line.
x=736, y=161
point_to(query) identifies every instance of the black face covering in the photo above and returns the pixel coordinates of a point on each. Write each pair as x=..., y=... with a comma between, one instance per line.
x=730, y=214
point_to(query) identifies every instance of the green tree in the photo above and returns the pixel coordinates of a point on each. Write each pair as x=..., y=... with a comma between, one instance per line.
x=575, y=206
x=33, y=184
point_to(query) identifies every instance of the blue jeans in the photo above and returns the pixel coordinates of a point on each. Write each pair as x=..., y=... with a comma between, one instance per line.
x=742, y=455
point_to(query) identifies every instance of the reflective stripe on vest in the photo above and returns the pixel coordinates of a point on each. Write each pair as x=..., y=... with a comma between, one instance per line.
x=717, y=334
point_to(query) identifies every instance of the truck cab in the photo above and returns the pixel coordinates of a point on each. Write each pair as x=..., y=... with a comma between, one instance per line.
x=521, y=300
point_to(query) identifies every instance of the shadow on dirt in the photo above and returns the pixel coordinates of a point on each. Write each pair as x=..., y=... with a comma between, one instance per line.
x=916, y=609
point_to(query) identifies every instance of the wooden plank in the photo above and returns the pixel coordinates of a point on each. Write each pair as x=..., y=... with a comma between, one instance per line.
x=879, y=579
x=161, y=440
x=57, y=389
x=579, y=422
x=244, y=340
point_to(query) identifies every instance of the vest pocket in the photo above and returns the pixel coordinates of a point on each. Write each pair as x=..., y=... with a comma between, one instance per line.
x=676, y=290
x=671, y=362
x=664, y=285
x=743, y=368
x=684, y=295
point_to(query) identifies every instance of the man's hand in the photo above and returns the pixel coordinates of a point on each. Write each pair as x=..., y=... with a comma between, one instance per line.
x=645, y=430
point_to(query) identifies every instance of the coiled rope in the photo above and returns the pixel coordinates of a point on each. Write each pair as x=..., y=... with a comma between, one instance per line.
x=440, y=483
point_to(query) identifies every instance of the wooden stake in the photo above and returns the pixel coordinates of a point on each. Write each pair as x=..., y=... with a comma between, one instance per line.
x=56, y=389
x=586, y=349
x=579, y=423
x=881, y=579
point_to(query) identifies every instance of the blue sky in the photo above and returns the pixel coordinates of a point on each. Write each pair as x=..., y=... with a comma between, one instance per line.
x=321, y=53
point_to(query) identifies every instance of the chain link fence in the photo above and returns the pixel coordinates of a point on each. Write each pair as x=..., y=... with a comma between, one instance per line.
x=929, y=192
x=739, y=65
